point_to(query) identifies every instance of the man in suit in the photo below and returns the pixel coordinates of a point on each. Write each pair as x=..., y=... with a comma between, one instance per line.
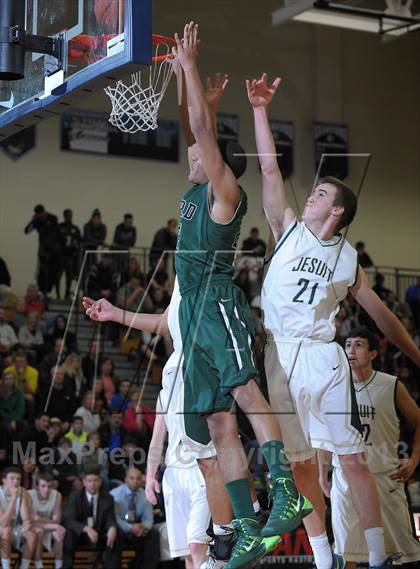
x=135, y=520
x=90, y=520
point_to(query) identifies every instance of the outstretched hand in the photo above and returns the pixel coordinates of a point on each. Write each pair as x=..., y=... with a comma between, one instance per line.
x=259, y=93
x=98, y=310
x=187, y=48
x=215, y=89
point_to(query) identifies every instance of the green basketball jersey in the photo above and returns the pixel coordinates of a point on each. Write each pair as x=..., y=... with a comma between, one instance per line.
x=205, y=249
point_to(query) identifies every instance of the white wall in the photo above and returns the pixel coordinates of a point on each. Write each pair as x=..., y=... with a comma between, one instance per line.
x=328, y=75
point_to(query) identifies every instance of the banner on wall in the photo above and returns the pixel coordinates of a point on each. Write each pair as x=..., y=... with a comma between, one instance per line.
x=19, y=144
x=331, y=139
x=91, y=132
x=284, y=135
x=228, y=127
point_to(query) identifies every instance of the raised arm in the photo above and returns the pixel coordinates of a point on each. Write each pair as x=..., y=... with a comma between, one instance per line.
x=386, y=320
x=224, y=187
x=103, y=311
x=278, y=213
x=154, y=456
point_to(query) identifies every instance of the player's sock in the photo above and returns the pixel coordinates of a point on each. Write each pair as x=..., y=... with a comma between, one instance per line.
x=238, y=491
x=24, y=564
x=376, y=544
x=38, y=564
x=222, y=529
x=5, y=563
x=276, y=460
x=256, y=506
x=322, y=551
x=58, y=564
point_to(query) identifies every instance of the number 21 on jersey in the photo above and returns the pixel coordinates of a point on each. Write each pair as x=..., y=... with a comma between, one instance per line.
x=305, y=287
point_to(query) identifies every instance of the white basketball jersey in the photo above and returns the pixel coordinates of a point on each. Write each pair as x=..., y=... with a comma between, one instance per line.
x=173, y=321
x=171, y=400
x=380, y=422
x=305, y=283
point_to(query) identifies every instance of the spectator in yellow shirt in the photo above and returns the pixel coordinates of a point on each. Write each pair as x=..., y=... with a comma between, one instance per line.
x=26, y=378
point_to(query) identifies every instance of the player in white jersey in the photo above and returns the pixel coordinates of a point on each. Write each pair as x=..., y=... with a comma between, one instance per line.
x=46, y=505
x=15, y=520
x=380, y=397
x=184, y=489
x=312, y=269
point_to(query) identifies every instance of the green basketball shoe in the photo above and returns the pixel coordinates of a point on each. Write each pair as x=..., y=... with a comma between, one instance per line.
x=250, y=546
x=288, y=509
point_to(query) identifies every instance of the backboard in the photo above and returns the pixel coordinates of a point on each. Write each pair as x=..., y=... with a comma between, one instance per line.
x=100, y=46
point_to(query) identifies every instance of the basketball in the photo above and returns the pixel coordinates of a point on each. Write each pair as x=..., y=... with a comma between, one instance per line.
x=107, y=13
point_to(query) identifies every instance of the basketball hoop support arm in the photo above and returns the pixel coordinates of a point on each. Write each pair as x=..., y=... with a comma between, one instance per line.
x=35, y=43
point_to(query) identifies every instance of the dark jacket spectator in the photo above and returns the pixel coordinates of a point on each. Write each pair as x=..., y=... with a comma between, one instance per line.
x=65, y=468
x=88, y=362
x=46, y=224
x=4, y=273
x=59, y=399
x=94, y=231
x=362, y=257
x=70, y=248
x=379, y=288
x=91, y=509
x=125, y=234
x=55, y=358
x=164, y=240
x=102, y=279
x=254, y=243
x=58, y=330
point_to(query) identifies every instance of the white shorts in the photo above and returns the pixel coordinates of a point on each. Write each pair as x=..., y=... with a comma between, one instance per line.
x=18, y=538
x=187, y=509
x=348, y=532
x=172, y=401
x=311, y=393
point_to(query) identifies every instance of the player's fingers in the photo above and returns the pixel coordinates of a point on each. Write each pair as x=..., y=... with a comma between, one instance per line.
x=225, y=82
x=178, y=42
x=276, y=83
x=264, y=78
x=208, y=82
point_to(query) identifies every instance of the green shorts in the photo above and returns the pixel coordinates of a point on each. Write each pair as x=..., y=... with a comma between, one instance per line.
x=217, y=336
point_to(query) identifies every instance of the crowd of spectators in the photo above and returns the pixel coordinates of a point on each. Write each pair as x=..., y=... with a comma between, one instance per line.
x=72, y=425
x=61, y=247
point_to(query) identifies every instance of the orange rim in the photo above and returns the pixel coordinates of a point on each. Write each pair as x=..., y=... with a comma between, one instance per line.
x=159, y=39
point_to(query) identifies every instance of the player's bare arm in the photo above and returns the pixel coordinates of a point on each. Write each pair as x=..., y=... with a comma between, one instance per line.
x=411, y=411
x=386, y=321
x=154, y=456
x=278, y=212
x=7, y=516
x=214, y=91
x=224, y=187
x=103, y=311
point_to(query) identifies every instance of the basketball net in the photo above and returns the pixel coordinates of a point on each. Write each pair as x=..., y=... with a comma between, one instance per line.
x=135, y=105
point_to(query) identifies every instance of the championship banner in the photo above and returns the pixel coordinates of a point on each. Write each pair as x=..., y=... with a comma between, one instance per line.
x=284, y=135
x=19, y=144
x=91, y=132
x=331, y=139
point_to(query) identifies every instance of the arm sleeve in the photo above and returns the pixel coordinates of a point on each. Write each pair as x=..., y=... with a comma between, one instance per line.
x=70, y=516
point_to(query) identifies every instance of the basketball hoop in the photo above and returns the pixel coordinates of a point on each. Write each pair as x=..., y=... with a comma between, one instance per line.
x=135, y=106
